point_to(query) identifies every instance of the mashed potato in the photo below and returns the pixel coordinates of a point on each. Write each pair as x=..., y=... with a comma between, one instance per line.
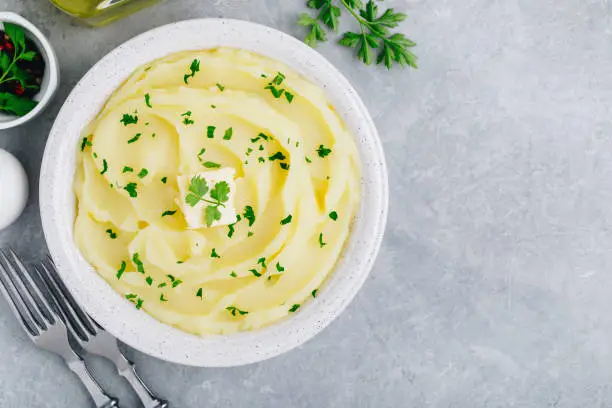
x=205, y=254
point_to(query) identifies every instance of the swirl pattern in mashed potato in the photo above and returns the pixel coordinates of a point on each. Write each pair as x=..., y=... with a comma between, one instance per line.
x=294, y=185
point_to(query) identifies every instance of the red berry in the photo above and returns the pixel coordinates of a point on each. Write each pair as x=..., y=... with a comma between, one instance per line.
x=19, y=90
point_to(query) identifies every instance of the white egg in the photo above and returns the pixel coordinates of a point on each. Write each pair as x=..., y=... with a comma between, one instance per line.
x=13, y=189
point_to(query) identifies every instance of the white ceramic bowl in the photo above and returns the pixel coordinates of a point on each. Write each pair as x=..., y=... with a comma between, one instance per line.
x=50, y=79
x=139, y=330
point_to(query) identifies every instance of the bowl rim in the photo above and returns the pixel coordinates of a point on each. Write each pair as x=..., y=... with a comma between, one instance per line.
x=52, y=65
x=141, y=331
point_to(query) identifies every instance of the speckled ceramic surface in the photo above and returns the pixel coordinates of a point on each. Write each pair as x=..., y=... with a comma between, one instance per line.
x=136, y=328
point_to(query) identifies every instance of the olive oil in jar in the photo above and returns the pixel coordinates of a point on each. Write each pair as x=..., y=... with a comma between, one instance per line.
x=101, y=12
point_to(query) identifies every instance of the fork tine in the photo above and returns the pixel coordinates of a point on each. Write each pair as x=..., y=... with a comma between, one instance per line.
x=15, y=276
x=79, y=313
x=72, y=323
x=29, y=277
x=16, y=304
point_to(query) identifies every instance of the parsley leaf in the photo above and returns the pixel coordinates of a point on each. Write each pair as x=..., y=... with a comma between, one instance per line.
x=168, y=213
x=277, y=156
x=104, y=166
x=254, y=272
x=200, y=293
x=85, y=143
x=233, y=275
x=193, y=68
x=214, y=254
x=162, y=298
x=131, y=189
x=187, y=118
x=135, y=138
x=249, y=214
x=321, y=243
x=143, y=173
x=121, y=269
x=210, y=132
x=211, y=165
x=129, y=119
x=230, y=232
x=233, y=310
x=228, y=134
x=127, y=169
x=314, y=293
x=284, y=166
x=262, y=262
x=212, y=214
x=323, y=151
x=136, y=260
x=221, y=87
x=148, y=100
x=111, y=234
x=286, y=220
x=164, y=180
x=333, y=215
x=279, y=267
x=149, y=280
x=294, y=308
x=220, y=192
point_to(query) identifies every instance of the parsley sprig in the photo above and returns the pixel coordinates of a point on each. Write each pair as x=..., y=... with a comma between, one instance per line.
x=219, y=194
x=374, y=31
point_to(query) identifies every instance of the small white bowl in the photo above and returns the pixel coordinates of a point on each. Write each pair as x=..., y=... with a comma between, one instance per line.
x=138, y=329
x=50, y=79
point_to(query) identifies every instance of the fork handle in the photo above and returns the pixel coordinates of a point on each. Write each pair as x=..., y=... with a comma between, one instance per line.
x=100, y=398
x=127, y=371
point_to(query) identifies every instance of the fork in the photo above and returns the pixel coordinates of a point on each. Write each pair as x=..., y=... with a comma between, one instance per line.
x=91, y=337
x=42, y=323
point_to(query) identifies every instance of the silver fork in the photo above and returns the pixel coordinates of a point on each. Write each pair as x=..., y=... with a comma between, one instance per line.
x=41, y=322
x=92, y=337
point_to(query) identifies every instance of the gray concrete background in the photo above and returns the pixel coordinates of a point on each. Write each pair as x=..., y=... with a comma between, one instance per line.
x=493, y=287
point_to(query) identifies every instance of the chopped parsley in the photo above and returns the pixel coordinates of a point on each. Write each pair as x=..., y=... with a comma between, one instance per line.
x=95, y=155
x=233, y=275
x=85, y=143
x=132, y=297
x=162, y=285
x=200, y=293
x=323, y=151
x=230, y=232
x=333, y=215
x=233, y=310
x=148, y=100
x=254, y=272
x=249, y=151
x=261, y=160
x=136, y=260
x=314, y=293
x=135, y=138
x=104, y=166
x=289, y=96
x=286, y=220
x=250, y=234
x=321, y=243
x=168, y=213
x=111, y=234
x=127, y=169
x=214, y=254
x=279, y=267
x=193, y=68
x=211, y=165
x=129, y=119
x=121, y=269
x=210, y=132
x=277, y=156
x=187, y=118
x=261, y=148
x=221, y=87
x=249, y=215
x=143, y=173
x=294, y=308
x=262, y=262
x=307, y=159
x=228, y=134
x=175, y=282
x=162, y=298
x=131, y=189
x=284, y=166
x=164, y=180
x=261, y=136
x=149, y=280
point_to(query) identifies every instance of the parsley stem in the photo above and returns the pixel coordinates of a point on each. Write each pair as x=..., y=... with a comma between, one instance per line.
x=8, y=69
x=362, y=21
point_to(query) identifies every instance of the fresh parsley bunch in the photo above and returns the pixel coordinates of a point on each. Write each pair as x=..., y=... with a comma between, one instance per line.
x=374, y=31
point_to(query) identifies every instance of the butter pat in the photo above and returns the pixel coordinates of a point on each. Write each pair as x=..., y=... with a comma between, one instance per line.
x=205, y=194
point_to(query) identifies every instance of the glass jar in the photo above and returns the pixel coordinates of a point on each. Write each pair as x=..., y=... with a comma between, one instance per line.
x=101, y=12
